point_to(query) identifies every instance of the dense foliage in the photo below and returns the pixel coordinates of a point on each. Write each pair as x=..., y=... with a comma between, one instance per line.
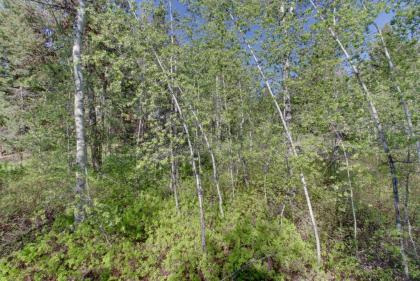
x=226, y=140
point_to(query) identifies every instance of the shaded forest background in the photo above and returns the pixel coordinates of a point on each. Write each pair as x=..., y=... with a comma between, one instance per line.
x=209, y=140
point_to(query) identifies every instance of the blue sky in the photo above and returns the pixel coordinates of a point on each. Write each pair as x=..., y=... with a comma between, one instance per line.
x=180, y=10
x=384, y=18
x=381, y=20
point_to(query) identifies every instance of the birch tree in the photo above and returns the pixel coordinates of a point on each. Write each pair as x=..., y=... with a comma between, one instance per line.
x=81, y=198
x=190, y=147
x=292, y=145
x=381, y=136
x=396, y=87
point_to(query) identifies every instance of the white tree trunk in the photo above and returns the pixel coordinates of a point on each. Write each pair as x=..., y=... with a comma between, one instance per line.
x=173, y=185
x=381, y=136
x=406, y=210
x=190, y=147
x=293, y=148
x=174, y=166
x=213, y=161
x=79, y=116
x=353, y=208
x=193, y=161
x=407, y=113
x=231, y=167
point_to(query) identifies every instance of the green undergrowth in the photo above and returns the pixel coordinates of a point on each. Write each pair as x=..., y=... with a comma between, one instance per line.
x=134, y=232
x=151, y=241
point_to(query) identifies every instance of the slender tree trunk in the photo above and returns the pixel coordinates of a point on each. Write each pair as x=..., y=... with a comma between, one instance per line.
x=230, y=145
x=140, y=124
x=231, y=162
x=407, y=113
x=245, y=176
x=191, y=150
x=353, y=208
x=197, y=151
x=406, y=209
x=190, y=147
x=382, y=139
x=95, y=141
x=218, y=122
x=196, y=174
x=81, y=201
x=266, y=168
x=287, y=116
x=173, y=180
x=102, y=113
x=213, y=161
x=293, y=148
x=174, y=166
x=287, y=99
x=213, y=158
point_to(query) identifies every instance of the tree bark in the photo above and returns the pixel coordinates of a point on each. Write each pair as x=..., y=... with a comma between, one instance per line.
x=81, y=202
